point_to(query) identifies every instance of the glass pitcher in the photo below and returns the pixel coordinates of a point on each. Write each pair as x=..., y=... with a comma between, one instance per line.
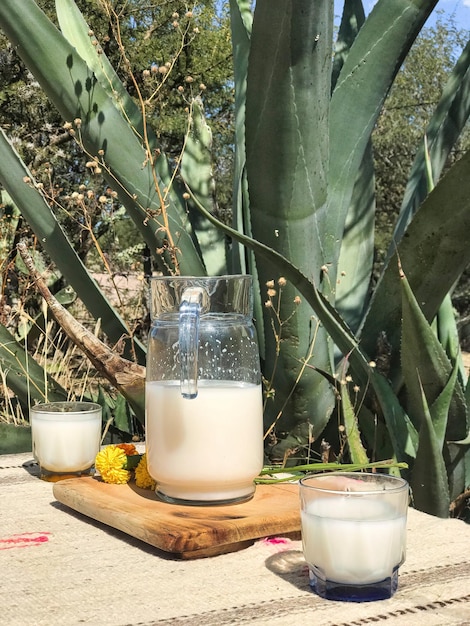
x=204, y=407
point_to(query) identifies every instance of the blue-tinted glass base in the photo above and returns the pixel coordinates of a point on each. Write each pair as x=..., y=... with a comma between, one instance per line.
x=344, y=592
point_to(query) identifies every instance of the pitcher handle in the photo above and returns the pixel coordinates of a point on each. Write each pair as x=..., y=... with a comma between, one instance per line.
x=193, y=303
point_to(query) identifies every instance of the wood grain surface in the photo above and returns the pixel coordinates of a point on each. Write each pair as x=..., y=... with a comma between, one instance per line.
x=186, y=532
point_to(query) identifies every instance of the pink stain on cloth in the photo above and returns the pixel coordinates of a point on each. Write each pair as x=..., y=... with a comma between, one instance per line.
x=24, y=540
x=280, y=544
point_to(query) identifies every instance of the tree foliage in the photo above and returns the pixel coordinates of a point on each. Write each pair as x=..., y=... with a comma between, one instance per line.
x=165, y=55
x=406, y=114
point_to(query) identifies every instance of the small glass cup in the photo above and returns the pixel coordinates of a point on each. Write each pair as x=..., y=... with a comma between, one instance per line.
x=66, y=438
x=354, y=533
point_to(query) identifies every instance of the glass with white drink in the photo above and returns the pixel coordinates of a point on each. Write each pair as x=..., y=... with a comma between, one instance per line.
x=204, y=407
x=354, y=533
x=66, y=438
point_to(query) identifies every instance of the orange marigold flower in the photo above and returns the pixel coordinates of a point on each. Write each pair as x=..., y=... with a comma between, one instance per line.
x=129, y=448
x=142, y=476
x=110, y=464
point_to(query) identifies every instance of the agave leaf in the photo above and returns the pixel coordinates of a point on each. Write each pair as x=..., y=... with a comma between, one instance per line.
x=447, y=332
x=367, y=73
x=286, y=157
x=335, y=325
x=241, y=21
x=44, y=224
x=467, y=401
x=196, y=166
x=427, y=369
x=118, y=426
x=428, y=372
x=122, y=416
x=9, y=224
x=353, y=436
x=447, y=123
x=374, y=59
x=241, y=25
x=433, y=255
x=441, y=407
x=456, y=454
x=77, y=94
x=77, y=32
x=196, y=170
x=241, y=259
x=462, y=442
x=445, y=126
x=291, y=182
x=445, y=322
x=366, y=76
x=428, y=482
x=15, y=439
x=352, y=19
x=26, y=378
x=375, y=433
x=402, y=432
x=357, y=247
x=284, y=123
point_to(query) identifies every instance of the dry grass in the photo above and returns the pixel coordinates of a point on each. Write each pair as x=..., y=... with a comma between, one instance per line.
x=63, y=362
x=47, y=345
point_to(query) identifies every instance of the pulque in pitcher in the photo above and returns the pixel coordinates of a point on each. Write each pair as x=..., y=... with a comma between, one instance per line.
x=204, y=407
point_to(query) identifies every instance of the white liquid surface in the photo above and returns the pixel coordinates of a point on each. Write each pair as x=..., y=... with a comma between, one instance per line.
x=353, y=540
x=65, y=442
x=208, y=448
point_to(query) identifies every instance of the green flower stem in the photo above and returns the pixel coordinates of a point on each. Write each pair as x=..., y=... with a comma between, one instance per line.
x=299, y=470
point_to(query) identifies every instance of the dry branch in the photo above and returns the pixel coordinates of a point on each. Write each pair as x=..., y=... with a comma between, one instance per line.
x=126, y=376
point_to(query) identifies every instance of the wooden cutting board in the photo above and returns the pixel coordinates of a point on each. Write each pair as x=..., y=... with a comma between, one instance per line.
x=186, y=532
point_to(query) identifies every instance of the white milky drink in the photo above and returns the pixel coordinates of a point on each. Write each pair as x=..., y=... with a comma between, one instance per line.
x=65, y=443
x=353, y=540
x=208, y=448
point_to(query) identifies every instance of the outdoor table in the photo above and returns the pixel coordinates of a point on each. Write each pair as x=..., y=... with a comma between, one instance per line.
x=62, y=568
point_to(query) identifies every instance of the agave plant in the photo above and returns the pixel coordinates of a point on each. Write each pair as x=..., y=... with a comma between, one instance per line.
x=303, y=220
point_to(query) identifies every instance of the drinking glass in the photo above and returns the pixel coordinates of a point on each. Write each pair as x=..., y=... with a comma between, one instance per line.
x=66, y=438
x=354, y=533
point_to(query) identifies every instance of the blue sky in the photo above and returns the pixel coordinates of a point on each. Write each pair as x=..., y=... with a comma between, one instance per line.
x=460, y=9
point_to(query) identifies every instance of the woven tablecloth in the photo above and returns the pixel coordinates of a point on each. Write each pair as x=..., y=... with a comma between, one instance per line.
x=61, y=568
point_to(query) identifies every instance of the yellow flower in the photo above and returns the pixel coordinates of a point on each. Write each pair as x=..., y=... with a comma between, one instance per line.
x=142, y=476
x=110, y=463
